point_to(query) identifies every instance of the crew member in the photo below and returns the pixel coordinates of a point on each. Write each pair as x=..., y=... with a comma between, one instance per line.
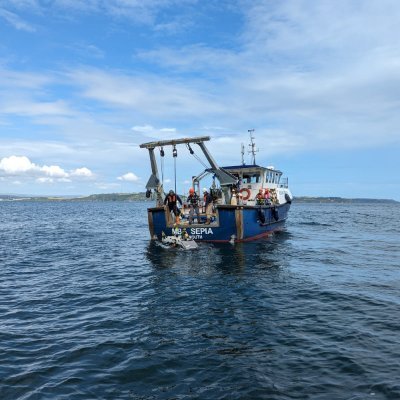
x=193, y=201
x=234, y=199
x=184, y=234
x=208, y=204
x=267, y=196
x=171, y=200
x=260, y=200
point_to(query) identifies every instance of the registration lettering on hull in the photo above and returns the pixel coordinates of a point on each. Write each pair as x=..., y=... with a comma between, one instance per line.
x=195, y=233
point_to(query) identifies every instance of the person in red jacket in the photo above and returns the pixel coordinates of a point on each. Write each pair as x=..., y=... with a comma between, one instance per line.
x=260, y=198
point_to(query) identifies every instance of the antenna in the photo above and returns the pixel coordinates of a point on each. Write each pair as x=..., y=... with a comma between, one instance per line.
x=243, y=163
x=252, y=146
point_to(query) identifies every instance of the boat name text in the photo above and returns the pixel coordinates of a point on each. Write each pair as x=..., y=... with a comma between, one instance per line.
x=196, y=233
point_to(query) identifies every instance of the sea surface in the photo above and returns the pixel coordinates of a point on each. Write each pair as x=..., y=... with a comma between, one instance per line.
x=91, y=309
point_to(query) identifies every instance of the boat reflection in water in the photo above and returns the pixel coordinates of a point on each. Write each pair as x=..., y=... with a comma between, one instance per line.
x=212, y=258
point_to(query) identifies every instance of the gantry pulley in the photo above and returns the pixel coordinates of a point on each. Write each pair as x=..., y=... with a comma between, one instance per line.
x=224, y=177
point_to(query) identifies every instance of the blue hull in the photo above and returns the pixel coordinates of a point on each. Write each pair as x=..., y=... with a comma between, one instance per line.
x=238, y=223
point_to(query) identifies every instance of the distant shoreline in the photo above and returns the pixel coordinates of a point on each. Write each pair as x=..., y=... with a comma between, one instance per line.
x=341, y=200
x=141, y=196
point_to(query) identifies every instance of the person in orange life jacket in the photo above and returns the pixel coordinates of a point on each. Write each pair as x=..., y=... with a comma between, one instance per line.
x=171, y=200
x=260, y=198
x=193, y=201
x=208, y=203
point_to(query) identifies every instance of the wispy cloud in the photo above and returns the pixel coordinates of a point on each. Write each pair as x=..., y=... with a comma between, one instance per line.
x=35, y=108
x=87, y=50
x=199, y=58
x=16, y=21
x=306, y=75
x=147, y=12
x=158, y=133
x=24, y=80
x=147, y=94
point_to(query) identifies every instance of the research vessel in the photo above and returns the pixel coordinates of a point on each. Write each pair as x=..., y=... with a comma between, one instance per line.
x=249, y=201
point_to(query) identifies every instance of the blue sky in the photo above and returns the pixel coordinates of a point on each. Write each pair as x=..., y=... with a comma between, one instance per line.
x=83, y=82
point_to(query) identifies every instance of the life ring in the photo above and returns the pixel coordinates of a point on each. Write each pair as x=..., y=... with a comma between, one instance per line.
x=248, y=193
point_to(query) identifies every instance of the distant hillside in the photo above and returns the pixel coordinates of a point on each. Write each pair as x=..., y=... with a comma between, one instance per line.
x=8, y=197
x=141, y=196
x=306, y=199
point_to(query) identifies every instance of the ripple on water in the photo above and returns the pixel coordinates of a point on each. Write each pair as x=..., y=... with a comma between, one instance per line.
x=89, y=308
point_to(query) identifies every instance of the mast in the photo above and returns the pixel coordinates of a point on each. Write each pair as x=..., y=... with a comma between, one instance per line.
x=252, y=146
x=242, y=151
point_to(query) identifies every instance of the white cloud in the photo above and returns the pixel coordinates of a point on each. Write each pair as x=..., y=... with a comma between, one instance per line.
x=52, y=180
x=84, y=172
x=146, y=129
x=22, y=166
x=15, y=165
x=129, y=177
x=168, y=130
x=54, y=171
x=45, y=180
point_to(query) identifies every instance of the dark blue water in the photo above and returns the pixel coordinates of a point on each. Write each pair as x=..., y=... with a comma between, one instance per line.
x=90, y=309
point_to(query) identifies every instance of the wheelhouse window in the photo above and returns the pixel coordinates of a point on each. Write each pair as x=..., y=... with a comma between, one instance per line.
x=272, y=177
x=246, y=179
x=255, y=178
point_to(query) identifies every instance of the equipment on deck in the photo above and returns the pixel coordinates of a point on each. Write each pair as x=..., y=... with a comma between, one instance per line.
x=183, y=241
